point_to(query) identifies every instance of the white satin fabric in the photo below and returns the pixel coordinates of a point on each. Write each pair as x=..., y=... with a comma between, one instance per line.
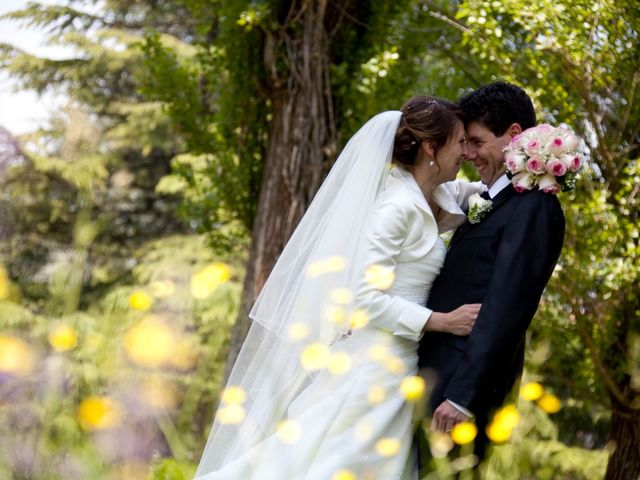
x=357, y=420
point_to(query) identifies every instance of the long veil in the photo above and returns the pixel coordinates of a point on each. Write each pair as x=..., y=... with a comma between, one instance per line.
x=318, y=267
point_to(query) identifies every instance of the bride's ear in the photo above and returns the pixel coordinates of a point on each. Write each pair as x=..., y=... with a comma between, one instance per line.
x=426, y=149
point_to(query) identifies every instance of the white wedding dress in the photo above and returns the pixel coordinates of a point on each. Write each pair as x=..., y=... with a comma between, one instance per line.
x=358, y=420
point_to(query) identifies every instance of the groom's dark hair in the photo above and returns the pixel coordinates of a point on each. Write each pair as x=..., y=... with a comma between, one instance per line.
x=497, y=105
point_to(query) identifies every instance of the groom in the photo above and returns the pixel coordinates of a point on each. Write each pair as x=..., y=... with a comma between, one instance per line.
x=503, y=262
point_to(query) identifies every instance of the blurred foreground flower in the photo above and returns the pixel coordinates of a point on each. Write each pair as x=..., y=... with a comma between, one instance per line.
x=159, y=393
x=231, y=414
x=440, y=444
x=379, y=276
x=207, y=280
x=358, y=319
x=531, y=391
x=185, y=354
x=233, y=395
x=339, y=363
x=289, y=432
x=344, y=475
x=549, y=403
x=412, y=388
x=330, y=264
x=341, y=296
x=16, y=356
x=315, y=357
x=162, y=288
x=504, y=421
x=464, y=433
x=140, y=300
x=4, y=283
x=98, y=413
x=388, y=447
x=150, y=342
x=63, y=337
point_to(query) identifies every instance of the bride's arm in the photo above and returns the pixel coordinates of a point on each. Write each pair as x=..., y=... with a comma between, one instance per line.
x=461, y=190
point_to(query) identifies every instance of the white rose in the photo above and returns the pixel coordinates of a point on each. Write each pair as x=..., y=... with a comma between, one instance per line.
x=548, y=184
x=523, y=181
x=570, y=143
x=475, y=200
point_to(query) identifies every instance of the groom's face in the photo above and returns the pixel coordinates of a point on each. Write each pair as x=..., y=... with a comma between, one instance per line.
x=484, y=150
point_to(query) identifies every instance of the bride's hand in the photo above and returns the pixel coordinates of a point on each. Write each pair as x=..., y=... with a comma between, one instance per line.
x=457, y=322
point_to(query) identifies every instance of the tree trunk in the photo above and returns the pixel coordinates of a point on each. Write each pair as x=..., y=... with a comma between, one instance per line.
x=624, y=463
x=300, y=146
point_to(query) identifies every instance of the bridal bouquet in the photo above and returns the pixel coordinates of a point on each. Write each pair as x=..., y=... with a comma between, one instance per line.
x=543, y=156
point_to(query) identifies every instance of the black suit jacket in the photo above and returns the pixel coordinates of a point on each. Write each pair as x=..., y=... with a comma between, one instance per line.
x=503, y=262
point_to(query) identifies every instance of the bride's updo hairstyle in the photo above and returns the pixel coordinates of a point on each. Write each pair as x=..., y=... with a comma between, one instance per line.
x=424, y=119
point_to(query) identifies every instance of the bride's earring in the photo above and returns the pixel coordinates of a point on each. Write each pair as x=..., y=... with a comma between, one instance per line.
x=431, y=163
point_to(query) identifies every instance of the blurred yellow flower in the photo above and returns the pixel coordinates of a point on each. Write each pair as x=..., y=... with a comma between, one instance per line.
x=379, y=276
x=378, y=352
x=387, y=447
x=140, y=300
x=288, y=431
x=335, y=315
x=159, y=393
x=315, y=357
x=341, y=296
x=4, y=283
x=298, y=331
x=344, y=475
x=16, y=356
x=98, y=413
x=376, y=395
x=364, y=431
x=507, y=417
x=162, y=288
x=395, y=365
x=498, y=433
x=233, y=395
x=358, y=318
x=339, y=363
x=441, y=444
x=185, y=354
x=231, y=414
x=549, y=403
x=531, y=391
x=464, y=432
x=63, y=337
x=412, y=388
x=149, y=343
x=207, y=280
x=327, y=265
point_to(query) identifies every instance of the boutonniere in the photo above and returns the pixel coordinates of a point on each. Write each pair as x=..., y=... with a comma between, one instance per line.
x=478, y=208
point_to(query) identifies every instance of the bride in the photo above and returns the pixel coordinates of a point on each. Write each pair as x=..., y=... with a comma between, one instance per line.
x=317, y=390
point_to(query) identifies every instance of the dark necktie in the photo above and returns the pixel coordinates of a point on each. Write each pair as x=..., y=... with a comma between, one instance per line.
x=485, y=195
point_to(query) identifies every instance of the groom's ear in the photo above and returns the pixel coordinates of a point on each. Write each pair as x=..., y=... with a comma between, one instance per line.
x=514, y=129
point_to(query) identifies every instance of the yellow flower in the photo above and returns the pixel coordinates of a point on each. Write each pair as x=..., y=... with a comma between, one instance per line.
x=412, y=388
x=549, y=403
x=289, y=432
x=498, y=433
x=149, y=343
x=330, y=264
x=63, y=338
x=531, y=391
x=395, y=365
x=233, y=395
x=336, y=315
x=140, y=300
x=507, y=417
x=441, y=444
x=185, y=354
x=162, y=288
x=298, y=331
x=98, y=413
x=463, y=433
x=16, y=356
x=159, y=393
x=207, y=280
x=341, y=296
x=387, y=447
x=344, y=475
x=376, y=395
x=4, y=283
x=339, y=363
x=379, y=276
x=358, y=319
x=231, y=414
x=315, y=357
x=378, y=352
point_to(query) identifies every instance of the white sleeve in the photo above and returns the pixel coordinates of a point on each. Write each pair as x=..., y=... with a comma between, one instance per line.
x=461, y=190
x=387, y=232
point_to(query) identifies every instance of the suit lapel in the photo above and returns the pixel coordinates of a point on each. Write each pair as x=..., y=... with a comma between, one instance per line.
x=499, y=200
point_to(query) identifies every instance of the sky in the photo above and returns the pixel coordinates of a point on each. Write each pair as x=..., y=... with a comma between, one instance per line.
x=23, y=111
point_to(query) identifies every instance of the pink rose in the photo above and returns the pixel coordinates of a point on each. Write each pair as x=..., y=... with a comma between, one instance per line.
x=570, y=142
x=556, y=168
x=548, y=184
x=533, y=144
x=544, y=128
x=535, y=165
x=556, y=146
x=514, y=161
x=522, y=181
x=575, y=164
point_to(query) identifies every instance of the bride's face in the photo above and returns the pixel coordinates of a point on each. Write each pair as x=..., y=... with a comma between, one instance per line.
x=451, y=156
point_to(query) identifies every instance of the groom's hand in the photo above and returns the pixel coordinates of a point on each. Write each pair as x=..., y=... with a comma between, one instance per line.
x=445, y=417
